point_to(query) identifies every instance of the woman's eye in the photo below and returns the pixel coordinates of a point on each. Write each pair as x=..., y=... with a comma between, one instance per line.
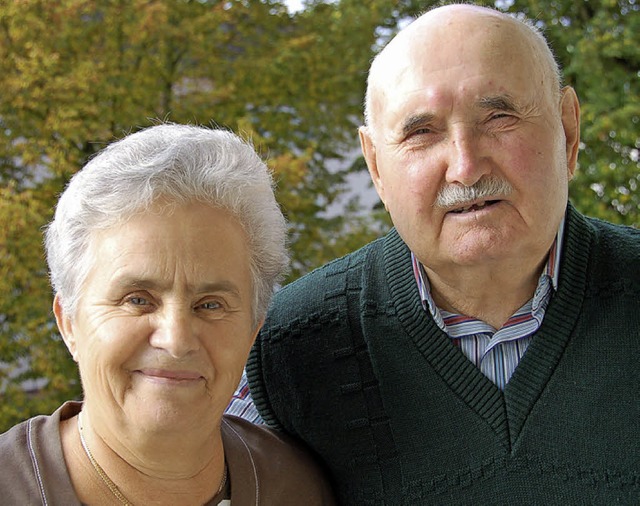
x=138, y=304
x=210, y=305
x=138, y=301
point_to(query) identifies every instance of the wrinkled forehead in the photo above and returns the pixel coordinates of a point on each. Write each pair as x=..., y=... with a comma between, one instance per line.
x=467, y=40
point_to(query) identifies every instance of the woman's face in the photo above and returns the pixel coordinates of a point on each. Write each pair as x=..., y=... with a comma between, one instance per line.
x=163, y=326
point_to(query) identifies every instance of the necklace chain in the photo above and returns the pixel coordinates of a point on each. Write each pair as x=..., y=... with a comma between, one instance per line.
x=105, y=477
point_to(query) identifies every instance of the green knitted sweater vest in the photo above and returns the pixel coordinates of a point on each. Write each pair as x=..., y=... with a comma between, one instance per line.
x=351, y=363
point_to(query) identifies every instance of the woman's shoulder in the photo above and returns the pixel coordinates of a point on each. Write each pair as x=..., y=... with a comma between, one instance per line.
x=273, y=466
x=31, y=460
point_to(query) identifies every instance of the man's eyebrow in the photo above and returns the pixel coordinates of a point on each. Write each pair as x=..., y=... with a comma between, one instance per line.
x=498, y=102
x=416, y=120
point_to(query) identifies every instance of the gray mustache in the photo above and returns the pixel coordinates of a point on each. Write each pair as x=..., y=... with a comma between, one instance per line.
x=454, y=195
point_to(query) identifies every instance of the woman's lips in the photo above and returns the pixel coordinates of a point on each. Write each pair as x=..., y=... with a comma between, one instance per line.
x=171, y=375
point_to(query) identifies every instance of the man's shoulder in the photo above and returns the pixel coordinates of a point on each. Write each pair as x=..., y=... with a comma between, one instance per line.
x=605, y=231
x=614, y=245
x=311, y=289
x=613, y=253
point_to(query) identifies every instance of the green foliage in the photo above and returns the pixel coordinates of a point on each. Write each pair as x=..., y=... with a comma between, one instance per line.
x=29, y=344
x=596, y=42
x=77, y=74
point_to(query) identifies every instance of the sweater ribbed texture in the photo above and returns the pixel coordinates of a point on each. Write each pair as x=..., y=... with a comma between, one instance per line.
x=350, y=362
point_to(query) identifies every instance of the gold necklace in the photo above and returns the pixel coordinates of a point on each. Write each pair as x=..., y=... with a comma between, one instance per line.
x=109, y=483
x=104, y=476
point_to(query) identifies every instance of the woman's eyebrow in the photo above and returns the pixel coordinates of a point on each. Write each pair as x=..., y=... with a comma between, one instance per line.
x=141, y=283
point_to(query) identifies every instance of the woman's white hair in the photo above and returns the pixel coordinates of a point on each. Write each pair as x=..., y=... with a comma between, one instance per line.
x=180, y=164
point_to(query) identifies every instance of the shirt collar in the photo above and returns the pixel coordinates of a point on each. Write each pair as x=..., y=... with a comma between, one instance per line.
x=551, y=272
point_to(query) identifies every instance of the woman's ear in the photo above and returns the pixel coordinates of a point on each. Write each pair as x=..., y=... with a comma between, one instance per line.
x=65, y=326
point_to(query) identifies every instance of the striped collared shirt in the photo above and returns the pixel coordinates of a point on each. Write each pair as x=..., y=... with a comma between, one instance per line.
x=496, y=353
x=242, y=404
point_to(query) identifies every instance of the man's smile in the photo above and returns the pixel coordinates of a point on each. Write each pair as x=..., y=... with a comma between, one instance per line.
x=474, y=206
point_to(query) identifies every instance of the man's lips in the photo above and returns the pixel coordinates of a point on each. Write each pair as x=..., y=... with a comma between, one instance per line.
x=473, y=206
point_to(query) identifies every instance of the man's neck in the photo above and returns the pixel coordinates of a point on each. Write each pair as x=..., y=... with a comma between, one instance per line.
x=490, y=295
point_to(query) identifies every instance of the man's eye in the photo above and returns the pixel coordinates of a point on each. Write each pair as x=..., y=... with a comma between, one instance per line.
x=502, y=116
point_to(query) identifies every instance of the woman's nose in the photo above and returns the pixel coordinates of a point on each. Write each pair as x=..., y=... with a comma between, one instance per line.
x=175, y=333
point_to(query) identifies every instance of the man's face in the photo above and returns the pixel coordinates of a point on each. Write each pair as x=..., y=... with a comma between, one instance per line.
x=470, y=104
x=164, y=324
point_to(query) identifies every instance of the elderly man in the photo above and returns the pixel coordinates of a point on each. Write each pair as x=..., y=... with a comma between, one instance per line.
x=486, y=350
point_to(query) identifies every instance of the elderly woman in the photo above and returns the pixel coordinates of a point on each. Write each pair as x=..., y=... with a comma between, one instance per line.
x=164, y=252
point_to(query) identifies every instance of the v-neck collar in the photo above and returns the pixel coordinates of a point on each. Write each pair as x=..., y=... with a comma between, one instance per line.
x=505, y=412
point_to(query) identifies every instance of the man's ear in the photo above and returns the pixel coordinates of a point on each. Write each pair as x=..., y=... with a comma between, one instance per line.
x=369, y=153
x=65, y=326
x=570, y=110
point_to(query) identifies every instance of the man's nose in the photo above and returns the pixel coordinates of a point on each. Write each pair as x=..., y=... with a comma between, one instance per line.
x=175, y=332
x=468, y=161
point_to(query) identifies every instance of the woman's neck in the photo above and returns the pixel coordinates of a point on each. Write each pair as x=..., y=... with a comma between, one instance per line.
x=142, y=477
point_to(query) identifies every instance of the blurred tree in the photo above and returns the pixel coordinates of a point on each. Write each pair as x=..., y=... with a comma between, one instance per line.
x=77, y=74
x=596, y=42
x=30, y=348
